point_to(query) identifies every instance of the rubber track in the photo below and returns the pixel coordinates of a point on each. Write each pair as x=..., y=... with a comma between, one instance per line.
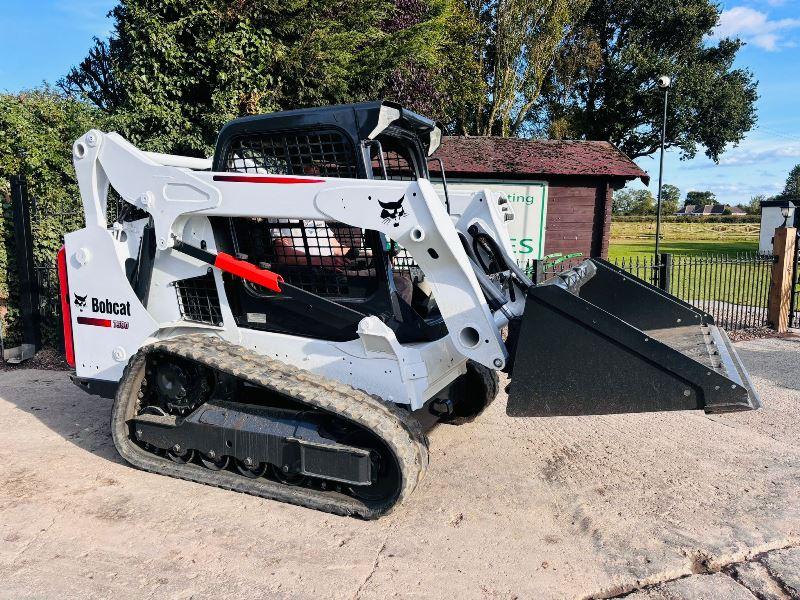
x=400, y=432
x=489, y=386
x=490, y=380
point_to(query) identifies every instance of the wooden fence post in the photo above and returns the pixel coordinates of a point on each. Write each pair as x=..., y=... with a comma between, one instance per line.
x=780, y=291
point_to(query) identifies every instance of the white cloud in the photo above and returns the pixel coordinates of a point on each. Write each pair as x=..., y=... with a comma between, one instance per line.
x=745, y=156
x=735, y=193
x=755, y=27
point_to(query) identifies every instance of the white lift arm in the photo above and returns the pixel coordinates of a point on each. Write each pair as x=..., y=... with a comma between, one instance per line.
x=408, y=212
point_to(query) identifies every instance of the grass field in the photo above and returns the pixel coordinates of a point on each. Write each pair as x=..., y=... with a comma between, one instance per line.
x=625, y=247
x=683, y=238
x=705, y=266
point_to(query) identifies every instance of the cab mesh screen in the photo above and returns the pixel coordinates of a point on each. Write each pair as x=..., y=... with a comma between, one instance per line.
x=326, y=258
x=198, y=299
x=320, y=154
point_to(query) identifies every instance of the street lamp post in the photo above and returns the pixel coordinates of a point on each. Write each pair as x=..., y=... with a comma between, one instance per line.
x=663, y=82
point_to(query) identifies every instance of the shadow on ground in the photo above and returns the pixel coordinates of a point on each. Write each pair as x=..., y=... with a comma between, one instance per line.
x=62, y=407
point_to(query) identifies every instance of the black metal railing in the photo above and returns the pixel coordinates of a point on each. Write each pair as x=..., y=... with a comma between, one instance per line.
x=733, y=288
x=40, y=225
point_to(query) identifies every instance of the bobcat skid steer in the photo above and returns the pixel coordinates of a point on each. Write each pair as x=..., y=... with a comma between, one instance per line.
x=289, y=318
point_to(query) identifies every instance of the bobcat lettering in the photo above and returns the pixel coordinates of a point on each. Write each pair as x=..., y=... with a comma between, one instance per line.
x=111, y=308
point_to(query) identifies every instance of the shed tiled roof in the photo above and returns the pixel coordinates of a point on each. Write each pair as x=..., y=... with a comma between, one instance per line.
x=503, y=157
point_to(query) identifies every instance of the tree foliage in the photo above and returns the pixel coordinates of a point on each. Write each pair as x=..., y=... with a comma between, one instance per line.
x=174, y=71
x=754, y=206
x=792, y=187
x=698, y=198
x=670, y=199
x=443, y=80
x=603, y=84
x=515, y=47
x=633, y=202
x=37, y=129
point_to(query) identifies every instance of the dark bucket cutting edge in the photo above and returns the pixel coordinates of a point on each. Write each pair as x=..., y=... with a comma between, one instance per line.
x=597, y=340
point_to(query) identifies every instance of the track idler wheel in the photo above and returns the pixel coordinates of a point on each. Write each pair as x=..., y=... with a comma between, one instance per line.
x=252, y=470
x=286, y=476
x=215, y=463
x=180, y=455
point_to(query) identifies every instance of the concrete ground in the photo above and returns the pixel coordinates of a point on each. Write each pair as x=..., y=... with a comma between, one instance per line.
x=653, y=505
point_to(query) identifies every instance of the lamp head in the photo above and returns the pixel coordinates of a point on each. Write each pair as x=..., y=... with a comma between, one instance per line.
x=664, y=82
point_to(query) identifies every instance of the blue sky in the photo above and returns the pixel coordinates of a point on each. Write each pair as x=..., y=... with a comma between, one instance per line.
x=42, y=40
x=761, y=162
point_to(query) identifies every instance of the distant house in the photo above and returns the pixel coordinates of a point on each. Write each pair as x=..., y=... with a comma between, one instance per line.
x=697, y=210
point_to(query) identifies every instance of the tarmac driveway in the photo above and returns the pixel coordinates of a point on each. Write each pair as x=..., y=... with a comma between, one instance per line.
x=663, y=505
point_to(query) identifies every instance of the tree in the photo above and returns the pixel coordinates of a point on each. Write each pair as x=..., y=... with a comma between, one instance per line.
x=670, y=198
x=792, y=187
x=621, y=202
x=173, y=72
x=633, y=202
x=515, y=47
x=603, y=84
x=754, y=206
x=37, y=129
x=448, y=86
x=643, y=203
x=701, y=198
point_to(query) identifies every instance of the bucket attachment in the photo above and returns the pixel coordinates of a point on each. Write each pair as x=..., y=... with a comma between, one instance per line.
x=597, y=340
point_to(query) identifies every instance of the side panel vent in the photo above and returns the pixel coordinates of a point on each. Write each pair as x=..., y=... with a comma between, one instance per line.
x=198, y=300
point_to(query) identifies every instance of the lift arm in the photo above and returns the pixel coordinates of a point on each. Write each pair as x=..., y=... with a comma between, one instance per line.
x=408, y=212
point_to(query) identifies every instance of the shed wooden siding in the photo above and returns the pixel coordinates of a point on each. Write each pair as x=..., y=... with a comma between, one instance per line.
x=578, y=215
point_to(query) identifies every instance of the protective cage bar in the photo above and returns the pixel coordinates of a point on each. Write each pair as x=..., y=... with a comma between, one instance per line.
x=596, y=340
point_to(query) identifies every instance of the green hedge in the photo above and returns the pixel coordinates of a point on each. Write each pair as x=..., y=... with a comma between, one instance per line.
x=37, y=129
x=674, y=219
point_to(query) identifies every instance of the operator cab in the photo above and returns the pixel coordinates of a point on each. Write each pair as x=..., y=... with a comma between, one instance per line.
x=348, y=272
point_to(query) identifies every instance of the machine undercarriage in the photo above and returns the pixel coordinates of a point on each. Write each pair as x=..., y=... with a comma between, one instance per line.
x=265, y=428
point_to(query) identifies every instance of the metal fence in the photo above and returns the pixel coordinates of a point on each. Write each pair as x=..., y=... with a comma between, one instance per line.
x=39, y=228
x=733, y=288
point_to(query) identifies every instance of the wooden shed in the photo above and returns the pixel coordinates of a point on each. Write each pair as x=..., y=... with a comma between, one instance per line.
x=572, y=180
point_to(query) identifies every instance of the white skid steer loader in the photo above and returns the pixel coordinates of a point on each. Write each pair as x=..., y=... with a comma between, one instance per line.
x=287, y=319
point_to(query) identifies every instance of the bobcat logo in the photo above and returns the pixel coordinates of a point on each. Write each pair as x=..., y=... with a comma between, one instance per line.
x=392, y=211
x=80, y=301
